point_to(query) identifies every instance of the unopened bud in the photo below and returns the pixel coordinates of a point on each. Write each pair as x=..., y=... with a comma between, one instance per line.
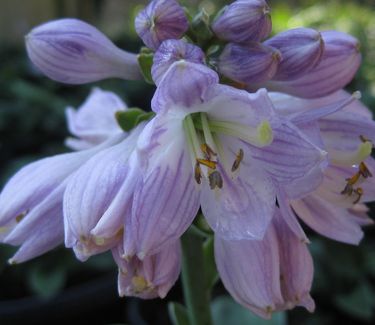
x=159, y=21
x=74, y=52
x=243, y=21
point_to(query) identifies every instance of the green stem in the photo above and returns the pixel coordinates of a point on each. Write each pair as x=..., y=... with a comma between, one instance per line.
x=196, y=292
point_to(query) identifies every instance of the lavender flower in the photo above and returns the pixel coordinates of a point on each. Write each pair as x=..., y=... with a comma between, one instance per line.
x=347, y=135
x=243, y=21
x=93, y=122
x=301, y=50
x=273, y=274
x=222, y=159
x=151, y=277
x=339, y=63
x=159, y=21
x=74, y=52
x=31, y=213
x=249, y=63
x=171, y=51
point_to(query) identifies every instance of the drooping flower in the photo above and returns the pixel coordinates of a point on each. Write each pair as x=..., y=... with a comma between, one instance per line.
x=197, y=151
x=74, y=52
x=151, y=277
x=269, y=275
x=159, y=21
x=347, y=135
x=31, y=211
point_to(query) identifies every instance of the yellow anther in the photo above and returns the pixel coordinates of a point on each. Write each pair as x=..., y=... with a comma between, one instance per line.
x=208, y=163
x=215, y=180
x=100, y=241
x=207, y=151
x=139, y=284
x=237, y=162
x=3, y=229
x=197, y=172
x=364, y=171
x=359, y=192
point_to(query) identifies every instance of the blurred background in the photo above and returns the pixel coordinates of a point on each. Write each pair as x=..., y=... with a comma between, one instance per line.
x=56, y=287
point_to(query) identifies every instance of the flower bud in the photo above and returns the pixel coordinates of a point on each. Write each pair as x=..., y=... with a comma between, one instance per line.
x=171, y=51
x=301, y=50
x=151, y=277
x=243, y=21
x=74, y=52
x=339, y=63
x=249, y=63
x=159, y=21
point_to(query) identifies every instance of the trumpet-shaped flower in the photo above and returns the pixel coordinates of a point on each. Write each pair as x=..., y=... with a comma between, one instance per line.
x=214, y=146
x=31, y=209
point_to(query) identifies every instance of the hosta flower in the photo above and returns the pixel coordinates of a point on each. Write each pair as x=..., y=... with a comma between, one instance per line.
x=243, y=21
x=74, y=52
x=159, y=21
x=214, y=146
x=151, y=277
x=269, y=275
x=347, y=135
x=31, y=211
x=338, y=64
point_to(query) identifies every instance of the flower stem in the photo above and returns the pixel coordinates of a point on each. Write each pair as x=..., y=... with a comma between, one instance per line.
x=196, y=292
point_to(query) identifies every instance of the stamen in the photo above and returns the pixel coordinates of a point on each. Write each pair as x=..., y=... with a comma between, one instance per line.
x=364, y=171
x=359, y=192
x=21, y=216
x=197, y=172
x=207, y=151
x=237, y=162
x=215, y=180
x=139, y=283
x=208, y=163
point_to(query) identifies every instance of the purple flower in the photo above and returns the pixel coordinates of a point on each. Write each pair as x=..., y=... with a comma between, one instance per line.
x=74, y=52
x=159, y=21
x=243, y=21
x=339, y=63
x=267, y=275
x=151, y=277
x=171, y=51
x=31, y=209
x=344, y=128
x=93, y=122
x=197, y=152
x=301, y=50
x=249, y=63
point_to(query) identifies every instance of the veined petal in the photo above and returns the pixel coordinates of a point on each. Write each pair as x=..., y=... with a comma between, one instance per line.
x=94, y=121
x=91, y=190
x=296, y=267
x=250, y=272
x=166, y=198
x=328, y=219
x=183, y=86
x=74, y=52
x=40, y=230
x=291, y=154
x=244, y=206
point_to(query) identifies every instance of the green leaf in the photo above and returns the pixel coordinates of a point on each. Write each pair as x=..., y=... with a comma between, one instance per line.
x=209, y=263
x=359, y=303
x=178, y=314
x=226, y=311
x=145, y=61
x=46, y=283
x=130, y=118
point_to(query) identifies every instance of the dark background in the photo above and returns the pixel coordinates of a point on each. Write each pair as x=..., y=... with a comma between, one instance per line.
x=56, y=288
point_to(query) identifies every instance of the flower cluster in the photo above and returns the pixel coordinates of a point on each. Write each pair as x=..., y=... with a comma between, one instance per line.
x=254, y=161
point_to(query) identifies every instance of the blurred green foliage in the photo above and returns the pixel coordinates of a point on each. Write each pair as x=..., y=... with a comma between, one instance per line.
x=32, y=125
